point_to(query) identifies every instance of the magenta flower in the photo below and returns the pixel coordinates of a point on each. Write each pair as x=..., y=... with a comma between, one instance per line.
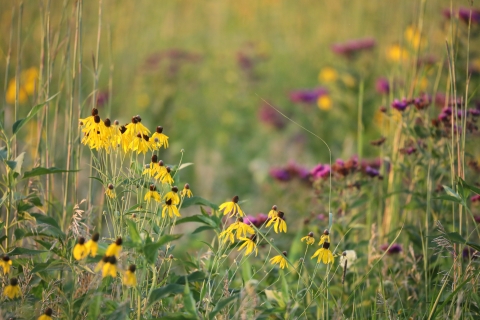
x=320, y=171
x=400, y=105
x=382, y=86
x=475, y=198
x=280, y=174
x=465, y=13
x=307, y=96
x=349, y=48
x=270, y=116
x=394, y=249
x=372, y=172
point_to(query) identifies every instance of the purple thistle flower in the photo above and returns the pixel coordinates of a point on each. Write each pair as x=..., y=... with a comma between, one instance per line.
x=320, y=171
x=280, y=174
x=400, y=105
x=307, y=96
x=474, y=112
x=422, y=102
x=372, y=172
x=464, y=15
x=382, y=86
x=394, y=249
x=349, y=48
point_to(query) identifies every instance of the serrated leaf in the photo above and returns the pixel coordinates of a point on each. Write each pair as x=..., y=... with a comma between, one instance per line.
x=164, y=291
x=20, y=123
x=40, y=171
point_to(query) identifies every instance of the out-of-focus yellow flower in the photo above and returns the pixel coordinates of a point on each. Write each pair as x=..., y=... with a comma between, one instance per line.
x=109, y=191
x=324, y=254
x=27, y=86
x=412, y=35
x=80, y=251
x=242, y=230
x=159, y=139
x=167, y=178
x=12, y=291
x=92, y=245
x=324, y=102
x=186, y=192
x=47, y=314
x=396, y=53
x=328, y=74
x=152, y=194
x=101, y=263
x=278, y=223
x=110, y=267
x=280, y=260
x=5, y=263
x=173, y=195
x=231, y=207
x=249, y=244
x=309, y=239
x=129, y=278
x=115, y=248
x=273, y=213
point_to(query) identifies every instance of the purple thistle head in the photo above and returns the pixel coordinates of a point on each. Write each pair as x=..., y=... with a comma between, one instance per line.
x=382, y=85
x=400, y=105
x=280, y=174
x=394, y=249
x=250, y=220
x=349, y=48
x=307, y=96
x=422, y=102
x=372, y=172
x=465, y=13
x=320, y=171
x=474, y=112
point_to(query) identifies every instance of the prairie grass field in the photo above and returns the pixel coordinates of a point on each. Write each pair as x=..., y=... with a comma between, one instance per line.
x=239, y=159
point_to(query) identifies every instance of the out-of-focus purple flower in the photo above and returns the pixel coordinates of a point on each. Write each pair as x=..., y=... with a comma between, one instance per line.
x=400, y=105
x=280, y=174
x=422, y=102
x=249, y=219
x=444, y=117
x=394, y=249
x=102, y=98
x=349, y=48
x=270, y=116
x=475, y=198
x=320, y=171
x=465, y=13
x=474, y=112
x=321, y=217
x=261, y=218
x=372, y=172
x=382, y=85
x=447, y=13
x=477, y=218
x=308, y=96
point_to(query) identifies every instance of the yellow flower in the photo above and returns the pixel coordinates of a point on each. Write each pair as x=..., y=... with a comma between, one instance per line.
x=80, y=251
x=5, y=263
x=279, y=223
x=167, y=178
x=110, y=267
x=172, y=195
x=324, y=102
x=328, y=74
x=170, y=208
x=140, y=144
x=231, y=207
x=161, y=171
x=47, y=314
x=93, y=134
x=186, y=192
x=412, y=35
x=92, y=245
x=242, y=229
x=152, y=169
x=27, y=86
x=136, y=128
x=227, y=235
x=324, y=254
x=273, y=213
x=325, y=237
x=12, y=291
x=249, y=244
x=115, y=248
x=152, y=194
x=129, y=278
x=309, y=239
x=396, y=53
x=159, y=139
x=109, y=191
x=280, y=260
x=88, y=121
x=101, y=263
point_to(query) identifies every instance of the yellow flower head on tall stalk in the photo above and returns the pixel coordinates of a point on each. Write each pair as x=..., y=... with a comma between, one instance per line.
x=129, y=278
x=152, y=169
x=309, y=239
x=159, y=139
x=231, y=207
x=152, y=194
x=227, y=234
x=108, y=136
x=324, y=102
x=280, y=260
x=274, y=212
x=110, y=267
x=5, y=263
x=47, y=314
x=140, y=144
x=396, y=53
x=324, y=254
x=93, y=134
x=116, y=135
x=413, y=36
x=80, y=251
x=136, y=127
x=125, y=139
x=249, y=244
x=12, y=291
x=186, y=192
x=170, y=208
x=109, y=191
x=173, y=195
x=242, y=231
x=92, y=245
x=167, y=178
x=161, y=171
x=88, y=121
x=115, y=248
x=278, y=222
x=101, y=263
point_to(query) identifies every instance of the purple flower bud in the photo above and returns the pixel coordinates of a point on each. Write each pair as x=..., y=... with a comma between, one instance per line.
x=372, y=172
x=465, y=13
x=280, y=174
x=394, y=249
x=400, y=105
x=349, y=48
x=307, y=96
x=320, y=171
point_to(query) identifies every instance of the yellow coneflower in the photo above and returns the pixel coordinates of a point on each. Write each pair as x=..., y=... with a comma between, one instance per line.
x=101, y=263
x=140, y=144
x=80, y=251
x=309, y=239
x=108, y=136
x=396, y=53
x=278, y=223
x=93, y=134
x=12, y=291
x=125, y=139
x=280, y=260
x=47, y=314
x=171, y=209
x=136, y=127
x=28, y=85
x=324, y=254
x=325, y=237
x=167, y=178
x=159, y=139
x=92, y=245
x=5, y=263
x=109, y=191
x=186, y=192
x=231, y=207
x=172, y=195
x=152, y=168
x=242, y=230
x=115, y=248
x=161, y=170
x=227, y=234
x=110, y=267
x=274, y=212
x=249, y=244
x=152, y=194
x=129, y=278
x=88, y=121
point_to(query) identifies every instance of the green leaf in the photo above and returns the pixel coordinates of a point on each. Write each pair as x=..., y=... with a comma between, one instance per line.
x=40, y=171
x=455, y=237
x=473, y=245
x=18, y=251
x=449, y=198
x=470, y=187
x=121, y=312
x=451, y=192
x=45, y=219
x=164, y=291
x=198, y=218
x=18, y=164
x=132, y=229
x=198, y=201
x=202, y=228
x=20, y=123
x=150, y=249
x=188, y=301
x=94, y=307
x=220, y=305
x=3, y=153
x=195, y=276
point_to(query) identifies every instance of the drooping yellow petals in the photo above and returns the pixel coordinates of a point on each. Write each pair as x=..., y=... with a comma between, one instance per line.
x=115, y=248
x=80, y=251
x=231, y=207
x=12, y=291
x=129, y=278
x=5, y=263
x=250, y=245
x=280, y=260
